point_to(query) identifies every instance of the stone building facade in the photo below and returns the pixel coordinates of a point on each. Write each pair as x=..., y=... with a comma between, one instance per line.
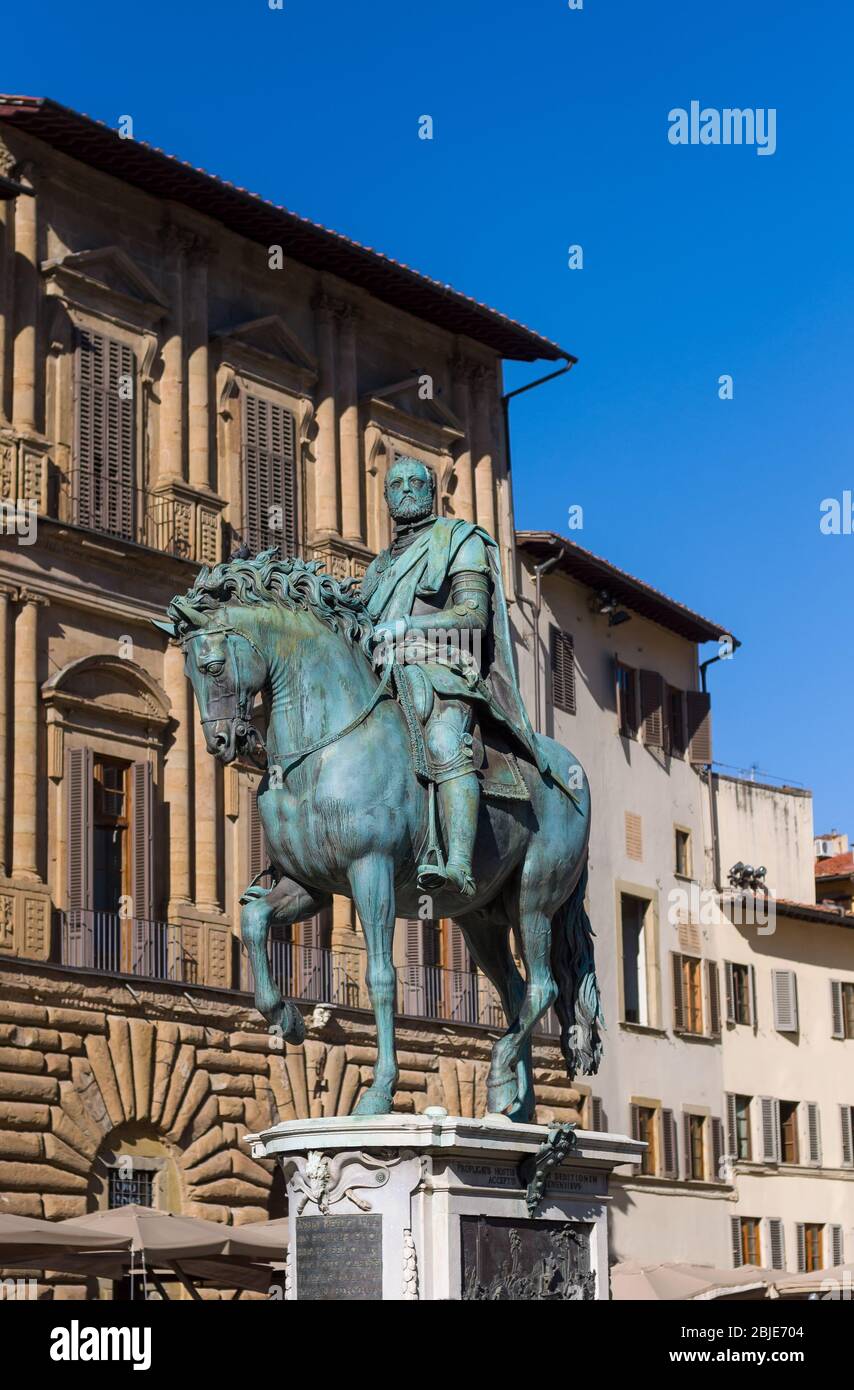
x=184, y=367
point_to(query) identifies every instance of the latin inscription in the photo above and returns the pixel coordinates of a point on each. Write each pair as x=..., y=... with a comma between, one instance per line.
x=340, y=1257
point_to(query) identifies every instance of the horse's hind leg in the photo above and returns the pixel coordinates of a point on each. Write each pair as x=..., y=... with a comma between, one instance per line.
x=285, y=902
x=488, y=940
x=535, y=930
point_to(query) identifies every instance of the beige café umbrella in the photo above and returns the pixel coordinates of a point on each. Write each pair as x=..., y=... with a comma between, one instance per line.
x=28, y=1238
x=834, y=1283
x=670, y=1280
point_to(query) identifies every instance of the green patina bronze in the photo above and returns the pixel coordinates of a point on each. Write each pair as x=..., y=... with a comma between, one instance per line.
x=399, y=761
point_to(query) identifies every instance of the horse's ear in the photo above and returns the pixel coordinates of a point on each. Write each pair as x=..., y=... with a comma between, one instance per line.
x=169, y=628
x=194, y=616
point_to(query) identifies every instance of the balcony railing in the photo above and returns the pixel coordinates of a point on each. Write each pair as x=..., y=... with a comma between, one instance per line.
x=132, y=514
x=104, y=941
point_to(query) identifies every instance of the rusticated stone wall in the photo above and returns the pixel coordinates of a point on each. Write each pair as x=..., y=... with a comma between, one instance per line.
x=83, y=1062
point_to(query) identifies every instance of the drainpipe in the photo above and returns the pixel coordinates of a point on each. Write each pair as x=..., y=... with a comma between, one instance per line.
x=539, y=570
x=713, y=805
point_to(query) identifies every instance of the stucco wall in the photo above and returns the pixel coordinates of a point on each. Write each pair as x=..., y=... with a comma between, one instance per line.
x=758, y=824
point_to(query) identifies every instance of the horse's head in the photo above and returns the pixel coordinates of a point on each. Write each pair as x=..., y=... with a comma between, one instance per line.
x=226, y=669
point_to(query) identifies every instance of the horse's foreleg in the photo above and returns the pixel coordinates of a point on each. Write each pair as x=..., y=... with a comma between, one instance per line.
x=286, y=902
x=372, y=885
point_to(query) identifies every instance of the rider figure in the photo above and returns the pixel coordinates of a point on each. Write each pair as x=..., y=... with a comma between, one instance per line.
x=438, y=588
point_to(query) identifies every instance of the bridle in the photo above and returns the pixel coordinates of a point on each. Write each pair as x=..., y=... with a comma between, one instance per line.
x=241, y=720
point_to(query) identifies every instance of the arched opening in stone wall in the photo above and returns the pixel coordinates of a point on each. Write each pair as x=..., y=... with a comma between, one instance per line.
x=134, y=1165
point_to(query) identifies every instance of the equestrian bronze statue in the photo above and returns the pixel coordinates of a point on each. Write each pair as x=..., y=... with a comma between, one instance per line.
x=400, y=765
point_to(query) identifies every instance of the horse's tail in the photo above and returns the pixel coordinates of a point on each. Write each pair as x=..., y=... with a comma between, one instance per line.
x=578, y=1005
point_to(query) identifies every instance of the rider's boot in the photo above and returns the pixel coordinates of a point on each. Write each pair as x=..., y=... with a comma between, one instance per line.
x=460, y=798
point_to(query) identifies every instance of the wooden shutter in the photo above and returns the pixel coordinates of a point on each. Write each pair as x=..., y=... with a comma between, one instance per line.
x=754, y=1009
x=735, y=1231
x=652, y=708
x=104, y=466
x=414, y=974
x=837, y=1246
x=802, y=1247
x=142, y=867
x=769, y=1110
x=813, y=1132
x=776, y=1243
x=269, y=471
x=699, y=711
x=731, y=1125
x=689, y=1153
x=562, y=658
x=634, y=836
x=597, y=1114
x=729, y=991
x=79, y=943
x=836, y=1009
x=669, y=1144
x=713, y=995
x=785, y=994
x=635, y=1116
x=846, y=1116
x=256, y=844
x=678, y=993
x=627, y=709
x=717, y=1149
x=456, y=952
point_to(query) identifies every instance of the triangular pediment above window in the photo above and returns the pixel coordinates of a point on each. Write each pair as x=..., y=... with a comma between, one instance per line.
x=106, y=272
x=271, y=339
x=412, y=402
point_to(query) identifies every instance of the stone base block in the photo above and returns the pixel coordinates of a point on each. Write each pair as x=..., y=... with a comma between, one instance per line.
x=439, y=1207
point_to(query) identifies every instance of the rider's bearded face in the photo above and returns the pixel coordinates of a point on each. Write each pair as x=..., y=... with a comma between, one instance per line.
x=409, y=491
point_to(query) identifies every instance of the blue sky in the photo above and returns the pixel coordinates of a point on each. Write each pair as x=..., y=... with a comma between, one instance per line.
x=550, y=129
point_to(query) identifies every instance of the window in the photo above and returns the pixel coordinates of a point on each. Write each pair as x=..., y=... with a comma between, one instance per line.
x=740, y=991
x=627, y=700
x=645, y=1128
x=738, y=1126
x=633, y=938
x=784, y=984
x=103, y=477
x=675, y=741
x=683, y=853
x=788, y=1147
x=695, y=1147
x=269, y=473
x=810, y=1247
x=593, y=1113
x=745, y=1241
x=110, y=867
x=562, y=656
x=652, y=708
x=842, y=1007
x=846, y=1117
x=687, y=994
x=130, y=1186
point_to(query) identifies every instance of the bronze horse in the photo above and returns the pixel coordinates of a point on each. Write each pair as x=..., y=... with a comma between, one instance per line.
x=344, y=812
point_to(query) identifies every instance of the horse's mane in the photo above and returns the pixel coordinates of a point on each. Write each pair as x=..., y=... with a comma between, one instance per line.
x=290, y=583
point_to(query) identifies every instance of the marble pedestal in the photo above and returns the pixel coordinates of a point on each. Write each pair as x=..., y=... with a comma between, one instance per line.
x=435, y=1206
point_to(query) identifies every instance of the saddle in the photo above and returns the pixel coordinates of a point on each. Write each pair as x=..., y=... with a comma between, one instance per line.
x=494, y=760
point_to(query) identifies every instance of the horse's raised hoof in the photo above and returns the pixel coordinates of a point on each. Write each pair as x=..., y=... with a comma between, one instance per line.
x=375, y=1101
x=288, y=1023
